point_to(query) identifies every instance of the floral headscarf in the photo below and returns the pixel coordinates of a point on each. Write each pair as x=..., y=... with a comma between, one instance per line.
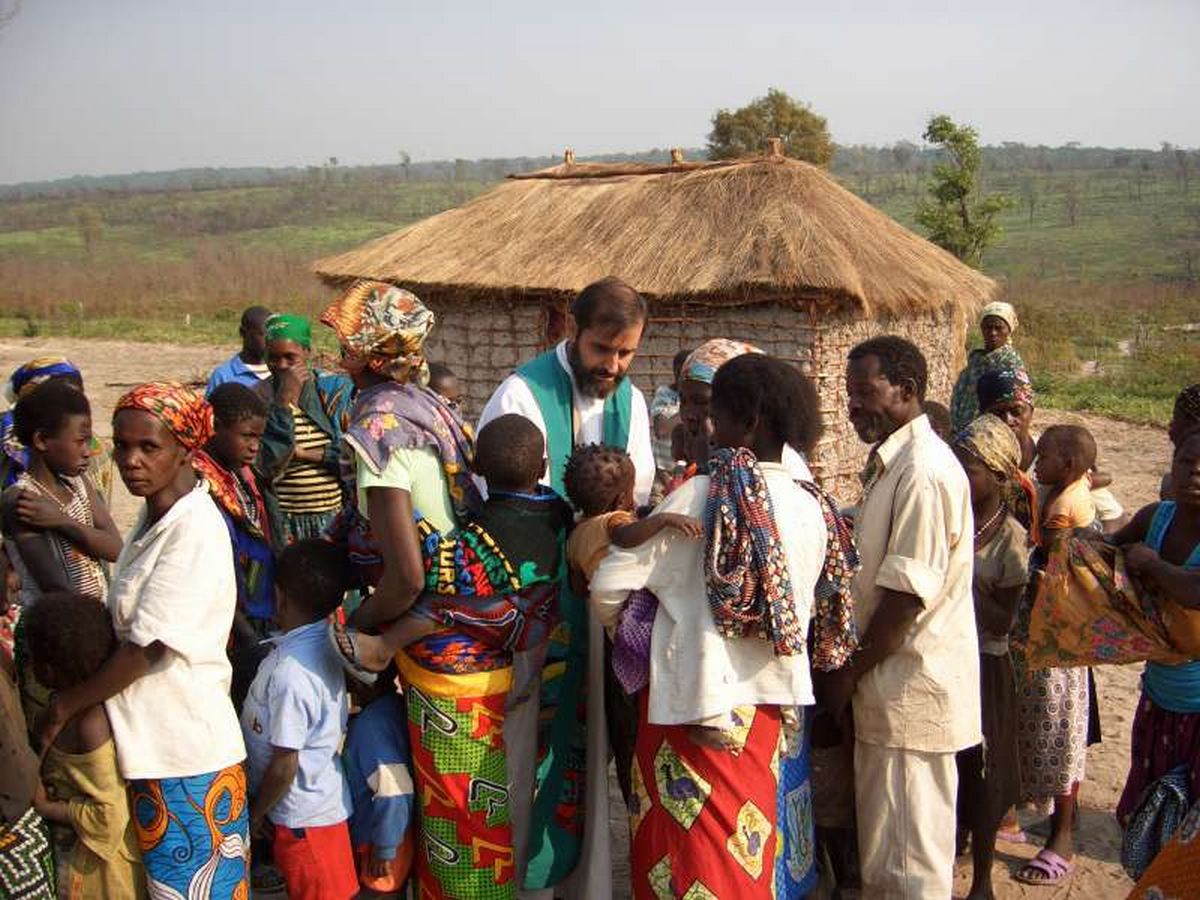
x=184, y=411
x=1004, y=385
x=704, y=361
x=383, y=328
x=38, y=371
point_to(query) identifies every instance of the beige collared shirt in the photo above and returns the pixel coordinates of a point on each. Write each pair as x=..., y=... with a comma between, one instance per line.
x=914, y=531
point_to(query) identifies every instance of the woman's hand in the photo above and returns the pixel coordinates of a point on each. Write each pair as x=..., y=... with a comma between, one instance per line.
x=288, y=383
x=1139, y=558
x=38, y=511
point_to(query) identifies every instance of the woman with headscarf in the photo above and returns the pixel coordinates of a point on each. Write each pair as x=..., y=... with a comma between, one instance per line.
x=166, y=686
x=989, y=778
x=301, y=444
x=720, y=796
x=406, y=451
x=997, y=322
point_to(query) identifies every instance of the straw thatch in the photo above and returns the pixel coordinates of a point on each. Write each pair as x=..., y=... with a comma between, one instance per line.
x=746, y=231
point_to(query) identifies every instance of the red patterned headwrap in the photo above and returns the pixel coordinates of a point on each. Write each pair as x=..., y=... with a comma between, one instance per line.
x=182, y=409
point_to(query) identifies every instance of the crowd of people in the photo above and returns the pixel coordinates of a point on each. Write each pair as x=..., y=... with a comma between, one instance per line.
x=354, y=647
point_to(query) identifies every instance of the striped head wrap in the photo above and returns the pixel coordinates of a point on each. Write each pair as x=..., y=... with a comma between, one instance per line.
x=184, y=411
x=993, y=443
x=1004, y=385
x=38, y=371
x=382, y=328
x=703, y=362
x=289, y=327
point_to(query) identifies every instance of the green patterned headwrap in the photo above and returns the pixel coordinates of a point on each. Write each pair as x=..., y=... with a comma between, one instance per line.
x=289, y=327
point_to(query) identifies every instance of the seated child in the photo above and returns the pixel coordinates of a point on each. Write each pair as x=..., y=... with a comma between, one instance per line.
x=225, y=463
x=69, y=638
x=28, y=867
x=472, y=576
x=57, y=530
x=379, y=769
x=293, y=722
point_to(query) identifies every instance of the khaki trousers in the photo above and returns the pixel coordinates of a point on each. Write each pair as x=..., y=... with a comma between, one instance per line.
x=905, y=804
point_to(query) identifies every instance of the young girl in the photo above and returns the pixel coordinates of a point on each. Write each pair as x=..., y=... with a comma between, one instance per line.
x=69, y=639
x=57, y=528
x=989, y=780
x=1052, y=706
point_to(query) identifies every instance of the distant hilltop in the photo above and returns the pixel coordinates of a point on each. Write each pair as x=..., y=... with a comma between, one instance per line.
x=860, y=161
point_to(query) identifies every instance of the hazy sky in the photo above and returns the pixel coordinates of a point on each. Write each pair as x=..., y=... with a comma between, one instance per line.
x=108, y=86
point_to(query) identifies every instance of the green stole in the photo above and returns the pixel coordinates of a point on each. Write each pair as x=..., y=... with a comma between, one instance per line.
x=556, y=827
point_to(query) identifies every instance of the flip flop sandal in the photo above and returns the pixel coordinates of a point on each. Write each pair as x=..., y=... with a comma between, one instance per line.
x=1046, y=868
x=1012, y=836
x=342, y=639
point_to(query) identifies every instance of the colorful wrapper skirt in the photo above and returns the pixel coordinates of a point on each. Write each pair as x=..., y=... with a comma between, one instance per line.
x=26, y=864
x=194, y=834
x=456, y=725
x=714, y=824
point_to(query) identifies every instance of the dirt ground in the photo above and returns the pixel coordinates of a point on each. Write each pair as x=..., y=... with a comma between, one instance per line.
x=1135, y=455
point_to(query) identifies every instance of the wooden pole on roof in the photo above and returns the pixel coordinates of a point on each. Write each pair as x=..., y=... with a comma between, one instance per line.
x=676, y=155
x=568, y=157
x=775, y=147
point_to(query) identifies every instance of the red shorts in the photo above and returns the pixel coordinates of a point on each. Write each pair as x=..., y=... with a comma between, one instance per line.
x=317, y=862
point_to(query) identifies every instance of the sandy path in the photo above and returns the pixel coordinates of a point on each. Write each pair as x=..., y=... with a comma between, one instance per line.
x=1135, y=455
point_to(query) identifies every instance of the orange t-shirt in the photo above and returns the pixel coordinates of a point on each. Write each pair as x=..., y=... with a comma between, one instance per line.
x=589, y=542
x=1072, y=508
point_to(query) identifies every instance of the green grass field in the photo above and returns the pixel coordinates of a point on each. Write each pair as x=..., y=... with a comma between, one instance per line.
x=180, y=265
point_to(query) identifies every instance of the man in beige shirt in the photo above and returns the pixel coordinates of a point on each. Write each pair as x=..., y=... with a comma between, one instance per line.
x=915, y=679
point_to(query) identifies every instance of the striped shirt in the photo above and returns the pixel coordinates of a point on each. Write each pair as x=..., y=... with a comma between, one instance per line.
x=308, y=487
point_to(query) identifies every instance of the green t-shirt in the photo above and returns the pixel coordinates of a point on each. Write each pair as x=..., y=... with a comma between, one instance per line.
x=418, y=471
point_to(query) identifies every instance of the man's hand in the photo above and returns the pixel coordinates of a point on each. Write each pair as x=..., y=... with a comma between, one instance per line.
x=836, y=689
x=39, y=511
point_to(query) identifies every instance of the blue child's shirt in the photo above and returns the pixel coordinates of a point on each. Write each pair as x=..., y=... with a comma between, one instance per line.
x=298, y=702
x=379, y=769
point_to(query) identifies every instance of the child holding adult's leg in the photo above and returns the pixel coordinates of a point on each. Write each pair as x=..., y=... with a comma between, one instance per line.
x=1052, y=703
x=69, y=638
x=378, y=763
x=988, y=777
x=58, y=531
x=293, y=722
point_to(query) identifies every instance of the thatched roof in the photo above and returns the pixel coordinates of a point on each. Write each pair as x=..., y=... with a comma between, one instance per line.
x=743, y=231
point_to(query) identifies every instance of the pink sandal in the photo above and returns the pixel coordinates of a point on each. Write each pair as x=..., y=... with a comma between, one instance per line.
x=1046, y=868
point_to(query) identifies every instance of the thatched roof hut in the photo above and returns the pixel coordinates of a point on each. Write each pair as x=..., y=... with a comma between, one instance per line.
x=768, y=249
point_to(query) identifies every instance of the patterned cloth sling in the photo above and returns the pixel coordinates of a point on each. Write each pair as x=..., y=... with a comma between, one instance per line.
x=749, y=589
x=835, y=634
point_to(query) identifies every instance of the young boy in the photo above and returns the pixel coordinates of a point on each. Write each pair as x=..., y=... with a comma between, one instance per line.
x=378, y=763
x=293, y=721
x=70, y=638
x=1065, y=455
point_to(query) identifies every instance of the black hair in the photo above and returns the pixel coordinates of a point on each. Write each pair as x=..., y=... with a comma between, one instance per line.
x=439, y=372
x=1076, y=441
x=69, y=634
x=899, y=360
x=939, y=418
x=772, y=390
x=597, y=478
x=608, y=303
x=678, y=361
x=510, y=453
x=233, y=402
x=313, y=574
x=46, y=409
x=252, y=315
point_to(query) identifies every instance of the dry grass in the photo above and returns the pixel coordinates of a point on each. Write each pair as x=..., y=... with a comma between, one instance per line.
x=756, y=229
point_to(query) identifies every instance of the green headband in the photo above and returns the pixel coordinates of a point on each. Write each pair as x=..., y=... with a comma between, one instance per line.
x=289, y=327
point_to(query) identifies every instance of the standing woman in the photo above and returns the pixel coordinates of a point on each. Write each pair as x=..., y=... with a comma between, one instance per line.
x=302, y=440
x=997, y=322
x=166, y=687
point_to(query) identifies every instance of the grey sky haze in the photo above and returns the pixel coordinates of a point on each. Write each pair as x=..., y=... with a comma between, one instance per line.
x=91, y=87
